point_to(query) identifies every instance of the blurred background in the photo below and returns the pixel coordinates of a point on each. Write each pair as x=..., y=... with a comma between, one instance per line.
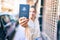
x=48, y=13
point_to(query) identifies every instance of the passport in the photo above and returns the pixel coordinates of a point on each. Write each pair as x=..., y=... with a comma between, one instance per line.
x=24, y=10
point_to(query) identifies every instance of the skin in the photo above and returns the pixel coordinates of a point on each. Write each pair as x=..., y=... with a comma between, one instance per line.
x=23, y=21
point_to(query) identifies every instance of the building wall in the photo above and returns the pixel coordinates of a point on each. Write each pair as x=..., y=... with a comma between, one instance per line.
x=7, y=5
x=0, y=5
x=12, y=5
x=58, y=7
x=50, y=18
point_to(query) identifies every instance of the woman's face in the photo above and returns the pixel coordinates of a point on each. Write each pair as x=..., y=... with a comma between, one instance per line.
x=32, y=14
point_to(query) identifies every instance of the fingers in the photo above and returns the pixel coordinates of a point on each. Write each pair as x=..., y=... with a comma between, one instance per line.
x=22, y=18
x=23, y=21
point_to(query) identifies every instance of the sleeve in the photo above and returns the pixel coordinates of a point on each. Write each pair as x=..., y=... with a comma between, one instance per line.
x=20, y=35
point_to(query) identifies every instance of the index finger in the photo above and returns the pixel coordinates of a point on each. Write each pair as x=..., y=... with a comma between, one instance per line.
x=22, y=18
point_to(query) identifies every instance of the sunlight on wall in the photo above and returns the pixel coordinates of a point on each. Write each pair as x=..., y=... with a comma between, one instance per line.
x=59, y=7
x=16, y=5
x=0, y=5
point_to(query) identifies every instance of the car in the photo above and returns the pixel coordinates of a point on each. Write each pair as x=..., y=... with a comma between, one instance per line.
x=7, y=26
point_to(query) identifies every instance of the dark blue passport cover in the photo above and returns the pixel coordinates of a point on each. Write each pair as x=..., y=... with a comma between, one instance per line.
x=24, y=10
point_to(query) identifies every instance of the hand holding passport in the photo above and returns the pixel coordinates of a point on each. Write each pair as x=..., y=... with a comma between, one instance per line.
x=24, y=15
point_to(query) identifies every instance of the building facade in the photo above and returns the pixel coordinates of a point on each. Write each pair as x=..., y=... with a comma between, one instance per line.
x=50, y=19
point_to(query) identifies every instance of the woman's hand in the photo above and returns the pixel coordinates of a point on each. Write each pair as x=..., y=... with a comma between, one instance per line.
x=23, y=22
